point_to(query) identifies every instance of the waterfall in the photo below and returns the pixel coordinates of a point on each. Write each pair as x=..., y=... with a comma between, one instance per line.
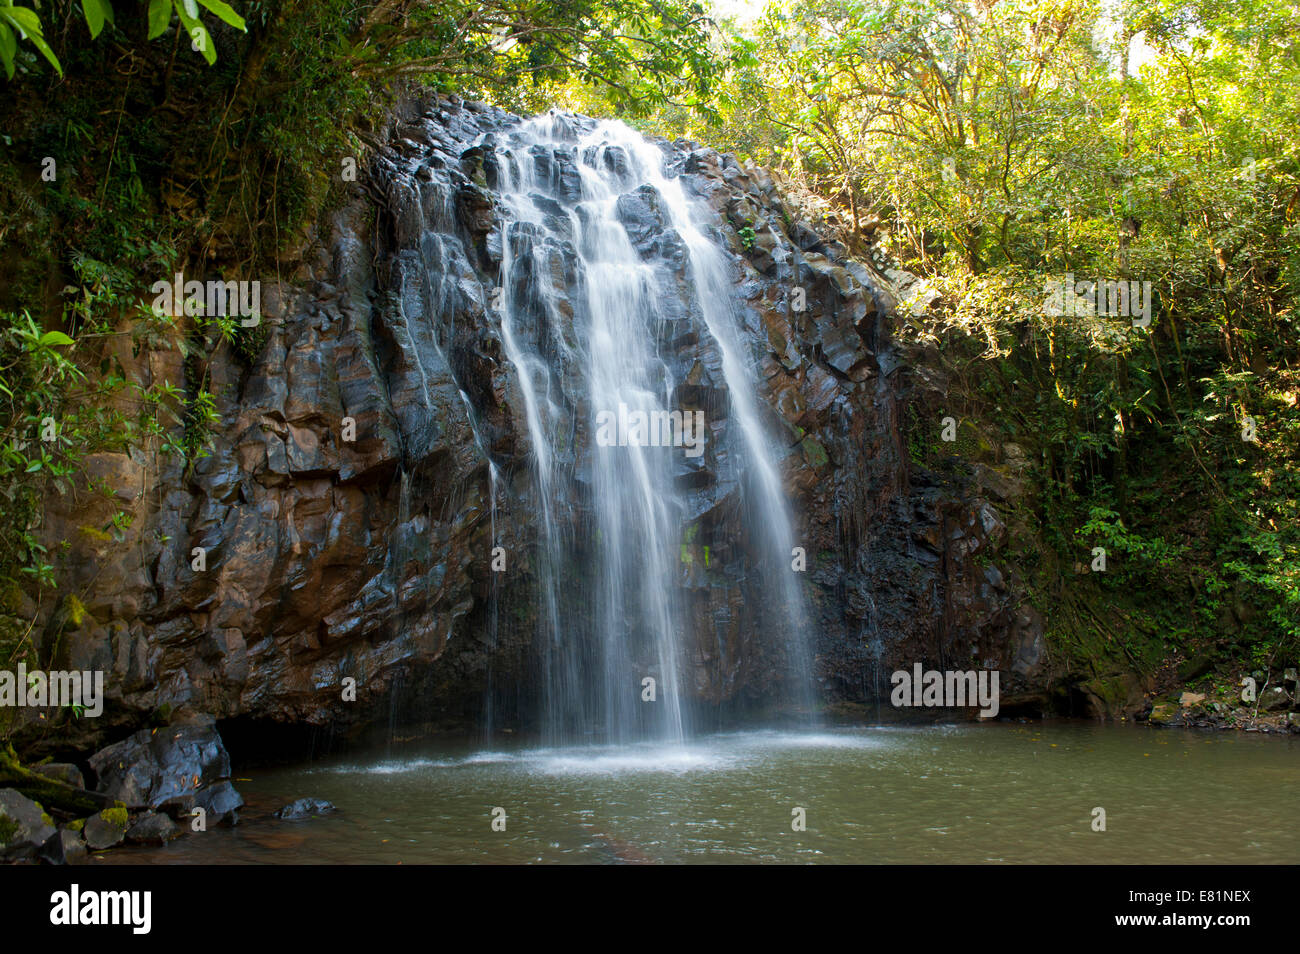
x=590, y=293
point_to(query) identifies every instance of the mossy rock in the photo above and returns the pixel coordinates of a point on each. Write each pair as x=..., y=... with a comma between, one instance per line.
x=1115, y=694
x=71, y=613
x=814, y=453
x=1162, y=713
x=96, y=534
x=52, y=792
x=161, y=716
x=11, y=598
x=115, y=816
x=1109, y=689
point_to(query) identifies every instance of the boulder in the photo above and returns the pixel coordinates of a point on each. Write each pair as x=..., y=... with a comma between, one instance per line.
x=64, y=847
x=106, y=829
x=1274, y=699
x=24, y=826
x=64, y=772
x=153, y=828
x=305, y=808
x=220, y=802
x=1163, y=713
x=160, y=768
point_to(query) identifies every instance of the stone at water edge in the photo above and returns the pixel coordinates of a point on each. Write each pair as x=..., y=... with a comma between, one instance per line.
x=306, y=807
x=179, y=807
x=106, y=829
x=1274, y=699
x=1163, y=713
x=220, y=802
x=1189, y=699
x=74, y=846
x=157, y=768
x=24, y=828
x=153, y=828
x=65, y=847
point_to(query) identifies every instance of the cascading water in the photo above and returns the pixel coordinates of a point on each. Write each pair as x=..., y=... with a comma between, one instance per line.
x=566, y=186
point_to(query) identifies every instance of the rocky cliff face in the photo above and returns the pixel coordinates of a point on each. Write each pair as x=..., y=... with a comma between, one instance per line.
x=346, y=514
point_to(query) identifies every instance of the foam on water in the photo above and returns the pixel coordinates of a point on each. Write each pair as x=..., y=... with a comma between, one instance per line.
x=717, y=753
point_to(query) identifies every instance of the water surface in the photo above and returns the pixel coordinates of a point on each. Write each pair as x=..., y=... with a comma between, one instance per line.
x=940, y=794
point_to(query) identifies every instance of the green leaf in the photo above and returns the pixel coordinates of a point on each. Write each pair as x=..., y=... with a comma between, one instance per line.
x=94, y=11
x=51, y=338
x=200, y=39
x=26, y=20
x=40, y=44
x=29, y=25
x=8, y=47
x=225, y=12
x=160, y=14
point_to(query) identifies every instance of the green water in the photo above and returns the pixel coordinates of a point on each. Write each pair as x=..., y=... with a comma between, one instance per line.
x=943, y=794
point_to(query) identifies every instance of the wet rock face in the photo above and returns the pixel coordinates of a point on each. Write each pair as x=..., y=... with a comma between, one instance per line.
x=330, y=561
x=904, y=564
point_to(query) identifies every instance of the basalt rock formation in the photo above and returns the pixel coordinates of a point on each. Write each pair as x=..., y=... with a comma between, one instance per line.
x=330, y=562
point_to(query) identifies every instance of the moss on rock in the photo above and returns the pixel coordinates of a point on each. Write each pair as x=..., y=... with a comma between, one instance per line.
x=116, y=815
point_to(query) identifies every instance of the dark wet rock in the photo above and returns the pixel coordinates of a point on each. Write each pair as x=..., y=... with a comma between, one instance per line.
x=642, y=214
x=305, y=808
x=1275, y=699
x=155, y=766
x=1165, y=713
x=24, y=826
x=63, y=772
x=106, y=829
x=179, y=807
x=153, y=828
x=64, y=847
x=220, y=801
